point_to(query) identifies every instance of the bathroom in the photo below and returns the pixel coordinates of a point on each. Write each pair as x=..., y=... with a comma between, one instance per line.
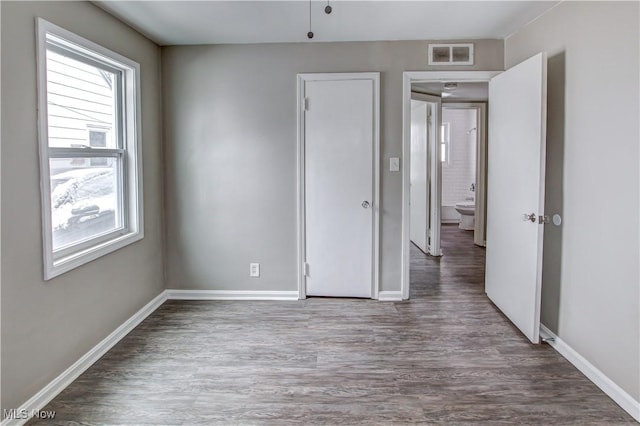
x=458, y=151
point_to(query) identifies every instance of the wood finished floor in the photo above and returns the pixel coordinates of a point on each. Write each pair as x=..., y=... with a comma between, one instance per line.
x=445, y=356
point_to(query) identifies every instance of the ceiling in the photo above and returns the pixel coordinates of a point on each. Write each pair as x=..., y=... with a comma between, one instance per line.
x=474, y=91
x=229, y=22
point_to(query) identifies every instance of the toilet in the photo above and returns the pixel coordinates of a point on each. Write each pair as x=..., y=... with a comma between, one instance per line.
x=467, y=210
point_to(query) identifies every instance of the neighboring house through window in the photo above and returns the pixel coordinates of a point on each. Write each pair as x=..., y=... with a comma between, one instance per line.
x=89, y=149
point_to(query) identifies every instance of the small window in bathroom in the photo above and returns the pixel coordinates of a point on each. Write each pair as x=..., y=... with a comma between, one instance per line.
x=444, y=142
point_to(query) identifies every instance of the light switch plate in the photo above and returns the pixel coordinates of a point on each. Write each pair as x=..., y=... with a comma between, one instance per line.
x=254, y=270
x=394, y=164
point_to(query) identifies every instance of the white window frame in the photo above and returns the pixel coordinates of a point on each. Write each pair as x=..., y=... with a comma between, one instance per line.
x=130, y=152
x=445, y=134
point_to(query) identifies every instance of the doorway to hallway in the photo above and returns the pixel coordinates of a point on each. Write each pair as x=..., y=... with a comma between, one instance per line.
x=458, y=276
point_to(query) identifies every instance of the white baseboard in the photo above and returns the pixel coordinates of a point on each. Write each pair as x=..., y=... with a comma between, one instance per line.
x=230, y=295
x=57, y=385
x=390, y=296
x=615, y=392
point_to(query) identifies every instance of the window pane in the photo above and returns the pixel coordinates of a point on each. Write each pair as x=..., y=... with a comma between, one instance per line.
x=84, y=198
x=80, y=98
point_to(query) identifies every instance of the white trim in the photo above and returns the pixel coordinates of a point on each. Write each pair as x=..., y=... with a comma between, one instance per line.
x=390, y=296
x=405, y=253
x=57, y=385
x=608, y=386
x=409, y=77
x=301, y=228
x=376, y=187
x=375, y=204
x=176, y=294
x=58, y=263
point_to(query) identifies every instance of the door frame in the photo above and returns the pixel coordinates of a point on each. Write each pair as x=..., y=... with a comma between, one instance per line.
x=409, y=77
x=375, y=202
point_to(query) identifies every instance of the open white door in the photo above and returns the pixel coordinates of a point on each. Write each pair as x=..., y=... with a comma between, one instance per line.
x=419, y=203
x=433, y=170
x=515, y=199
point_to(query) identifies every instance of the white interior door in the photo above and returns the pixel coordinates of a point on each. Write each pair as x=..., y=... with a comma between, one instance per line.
x=516, y=172
x=339, y=146
x=419, y=203
x=435, y=174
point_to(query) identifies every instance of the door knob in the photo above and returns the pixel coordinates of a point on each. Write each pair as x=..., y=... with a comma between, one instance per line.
x=530, y=217
x=365, y=204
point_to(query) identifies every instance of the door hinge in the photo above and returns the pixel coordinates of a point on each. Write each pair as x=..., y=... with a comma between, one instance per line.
x=305, y=269
x=306, y=104
x=543, y=219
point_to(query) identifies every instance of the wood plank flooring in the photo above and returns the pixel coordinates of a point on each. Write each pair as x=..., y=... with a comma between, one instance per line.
x=445, y=356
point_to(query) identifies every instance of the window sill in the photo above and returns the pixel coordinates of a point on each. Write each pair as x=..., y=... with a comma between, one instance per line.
x=60, y=266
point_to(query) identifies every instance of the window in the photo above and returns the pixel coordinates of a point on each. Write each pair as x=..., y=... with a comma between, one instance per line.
x=89, y=149
x=444, y=142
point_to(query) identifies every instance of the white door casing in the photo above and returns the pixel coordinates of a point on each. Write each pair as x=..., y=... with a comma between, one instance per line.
x=516, y=179
x=419, y=175
x=338, y=184
x=409, y=77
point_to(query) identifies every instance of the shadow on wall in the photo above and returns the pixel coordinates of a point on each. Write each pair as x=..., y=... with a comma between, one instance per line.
x=552, y=257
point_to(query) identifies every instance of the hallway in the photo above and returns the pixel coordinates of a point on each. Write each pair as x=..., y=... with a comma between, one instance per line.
x=461, y=269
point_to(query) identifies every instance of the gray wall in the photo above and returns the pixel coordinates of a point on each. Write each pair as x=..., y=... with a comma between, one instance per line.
x=47, y=326
x=590, y=278
x=230, y=143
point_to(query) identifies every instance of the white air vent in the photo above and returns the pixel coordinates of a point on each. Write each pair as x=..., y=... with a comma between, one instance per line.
x=451, y=54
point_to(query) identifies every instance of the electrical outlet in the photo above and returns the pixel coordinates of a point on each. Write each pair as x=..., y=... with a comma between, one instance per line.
x=254, y=270
x=394, y=164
